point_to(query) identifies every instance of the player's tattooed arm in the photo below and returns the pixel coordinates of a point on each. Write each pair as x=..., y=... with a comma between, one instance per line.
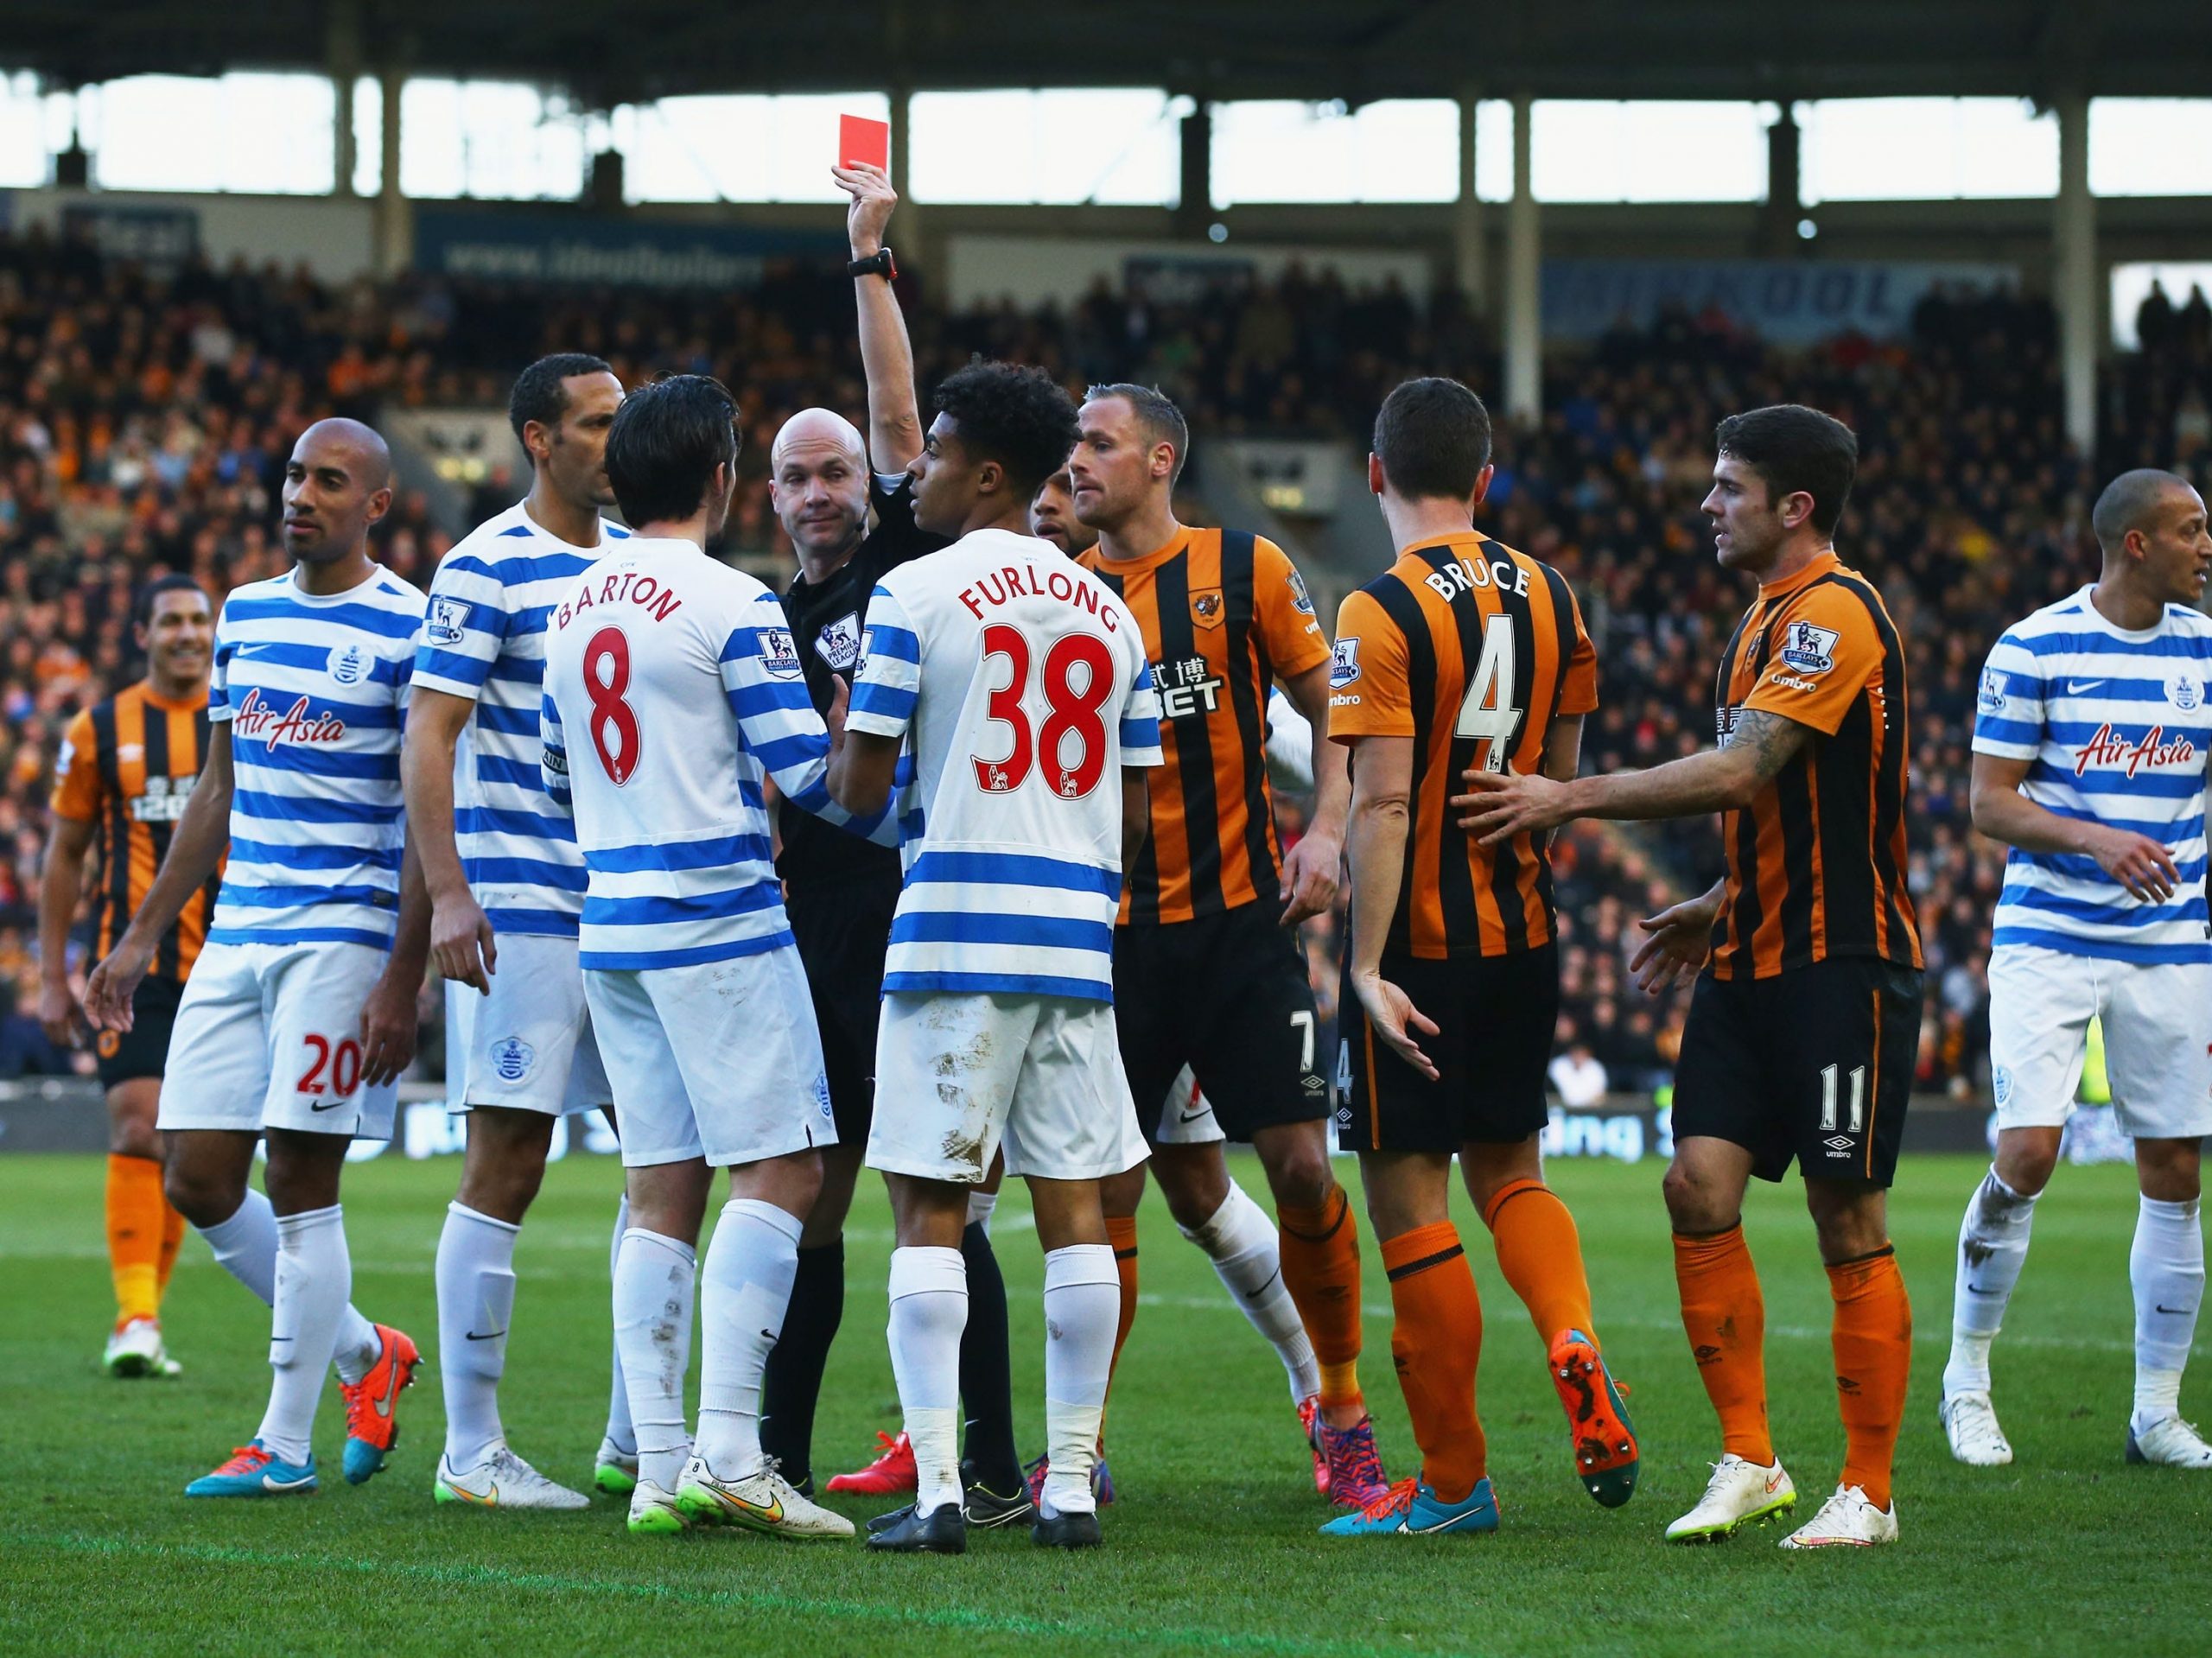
x=1499, y=805
x=2143, y=866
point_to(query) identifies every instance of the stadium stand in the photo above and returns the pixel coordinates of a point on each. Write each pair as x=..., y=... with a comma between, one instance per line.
x=143, y=421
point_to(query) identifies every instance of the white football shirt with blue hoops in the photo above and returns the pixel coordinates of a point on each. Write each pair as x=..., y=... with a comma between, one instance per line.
x=2116, y=725
x=1019, y=685
x=313, y=690
x=673, y=692
x=527, y=1045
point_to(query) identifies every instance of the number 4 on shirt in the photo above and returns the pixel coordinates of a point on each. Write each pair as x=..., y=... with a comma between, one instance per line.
x=1486, y=713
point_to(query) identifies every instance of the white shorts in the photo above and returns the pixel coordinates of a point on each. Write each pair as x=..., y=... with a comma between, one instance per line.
x=956, y=1075
x=2157, y=1023
x=719, y=1059
x=269, y=1036
x=528, y=1045
x=1187, y=1118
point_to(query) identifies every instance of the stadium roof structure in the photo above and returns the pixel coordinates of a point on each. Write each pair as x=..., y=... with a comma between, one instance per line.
x=607, y=52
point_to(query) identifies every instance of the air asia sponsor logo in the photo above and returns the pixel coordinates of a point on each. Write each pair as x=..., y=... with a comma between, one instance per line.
x=257, y=720
x=2111, y=748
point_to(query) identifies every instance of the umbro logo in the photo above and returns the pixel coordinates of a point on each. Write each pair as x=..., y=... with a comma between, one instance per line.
x=1838, y=1144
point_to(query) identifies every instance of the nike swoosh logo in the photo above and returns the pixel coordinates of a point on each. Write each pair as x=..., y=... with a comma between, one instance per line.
x=773, y=1514
x=2076, y=687
x=333, y=1106
x=489, y=1500
x=1773, y=1484
x=270, y=1483
x=488, y=1336
x=1258, y=1293
x=2175, y=1313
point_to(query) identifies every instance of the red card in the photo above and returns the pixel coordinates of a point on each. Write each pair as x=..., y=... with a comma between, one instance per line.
x=863, y=142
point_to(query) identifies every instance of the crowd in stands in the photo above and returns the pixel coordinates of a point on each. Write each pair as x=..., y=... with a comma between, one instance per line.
x=144, y=420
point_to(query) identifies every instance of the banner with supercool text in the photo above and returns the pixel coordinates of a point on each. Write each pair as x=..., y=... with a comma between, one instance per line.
x=1791, y=301
x=613, y=253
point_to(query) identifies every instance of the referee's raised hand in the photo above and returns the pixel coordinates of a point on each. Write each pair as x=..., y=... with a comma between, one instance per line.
x=872, y=201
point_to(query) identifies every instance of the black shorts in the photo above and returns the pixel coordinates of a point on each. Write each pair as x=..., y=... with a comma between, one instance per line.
x=1227, y=996
x=1495, y=1016
x=843, y=936
x=1814, y=1065
x=143, y=1049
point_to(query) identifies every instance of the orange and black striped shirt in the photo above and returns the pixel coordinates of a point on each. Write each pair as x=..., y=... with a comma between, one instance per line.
x=1472, y=651
x=1816, y=862
x=1225, y=615
x=128, y=765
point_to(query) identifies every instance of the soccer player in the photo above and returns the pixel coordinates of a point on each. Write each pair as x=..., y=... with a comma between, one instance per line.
x=840, y=891
x=1005, y=692
x=506, y=884
x=126, y=768
x=1207, y=969
x=1238, y=1239
x=1464, y=654
x=2089, y=746
x=300, y=1013
x=1805, y=1020
x=673, y=690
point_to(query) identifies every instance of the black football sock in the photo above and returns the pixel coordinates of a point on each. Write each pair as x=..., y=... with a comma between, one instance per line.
x=791, y=1384
x=986, y=1373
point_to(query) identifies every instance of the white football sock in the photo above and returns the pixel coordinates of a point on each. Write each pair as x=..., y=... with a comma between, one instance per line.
x=746, y=1286
x=1992, y=1247
x=246, y=1248
x=476, y=1297
x=929, y=1309
x=623, y=1437
x=1247, y=1254
x=654, y=1281
x=1083, y=1303
x=980, y=1205
x=2166, y=1266
x=313, y=1274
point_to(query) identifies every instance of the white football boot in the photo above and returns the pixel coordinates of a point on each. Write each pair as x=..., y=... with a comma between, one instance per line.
x=2171, y=1443
x=136, y=1350
x=1846, y=1520
x=764, y=1501
x=653, y=1511
x=503, y=1480
x=1739, y=1493
x=1970, y=1423
x=615, y=1471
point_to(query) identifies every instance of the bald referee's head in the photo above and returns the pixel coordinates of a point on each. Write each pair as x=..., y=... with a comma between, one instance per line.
x=818, y=479
x=2152, y=527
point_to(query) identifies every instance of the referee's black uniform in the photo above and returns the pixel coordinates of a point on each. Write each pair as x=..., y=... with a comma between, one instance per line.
x=840, y=891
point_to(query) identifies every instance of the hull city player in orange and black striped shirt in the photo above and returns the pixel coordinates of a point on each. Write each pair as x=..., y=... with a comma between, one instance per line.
x=1801, y=1031
x=1207, y=971
x=1463, y=654
x=125, y=769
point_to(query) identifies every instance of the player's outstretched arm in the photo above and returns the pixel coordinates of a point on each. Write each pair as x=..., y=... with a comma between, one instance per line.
x=1501, y=804
x=461, y=937
x=195, y=850
x=60, y=885
x=862, y=769
x=894, y=421
x=1374, y=848
x=2143, y=866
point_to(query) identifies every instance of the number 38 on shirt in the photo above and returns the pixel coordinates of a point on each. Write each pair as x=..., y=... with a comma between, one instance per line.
x=1075, y=677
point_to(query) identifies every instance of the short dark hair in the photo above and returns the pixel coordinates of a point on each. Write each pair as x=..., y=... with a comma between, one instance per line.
x=537, y=395
x=1795, y=448
x=1156, y=413
x=142, y=606
x=1020, y=417
x=2127, y=501
x=664, y=444
x=1432, y=438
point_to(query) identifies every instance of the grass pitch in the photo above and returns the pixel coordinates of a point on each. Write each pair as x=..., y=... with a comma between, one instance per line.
x=1212, y=1548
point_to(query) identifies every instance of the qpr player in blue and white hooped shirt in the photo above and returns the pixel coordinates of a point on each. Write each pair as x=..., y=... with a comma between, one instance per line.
x=2090, y=744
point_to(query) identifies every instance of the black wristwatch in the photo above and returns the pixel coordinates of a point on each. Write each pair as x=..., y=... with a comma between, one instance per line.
x=877, y=264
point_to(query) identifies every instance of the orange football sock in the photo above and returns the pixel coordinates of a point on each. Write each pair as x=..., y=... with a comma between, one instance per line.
x=1873, y=1336
x=136, y=1209
x=172, y=1239
x=1436, y=1340
x=1121, y=1233
x=1320, y=1268
x=1540, y=1255
x=1725, y=1317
